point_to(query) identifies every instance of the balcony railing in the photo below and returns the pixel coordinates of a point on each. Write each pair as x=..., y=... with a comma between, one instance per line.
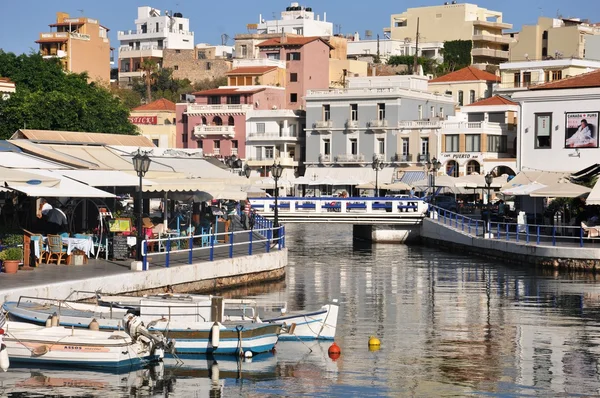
x=324, y=158
x=379, y=156
x=399, y=157
x=348, y=158
x=272, y=135
x=351, y=124
x=419, y=124
x=218, y=108
x=493, y=38
x=323, y=124
x=378, y=124
x=153, y=32
x=474, y=127
x=488, y=52
x=54, y=35
x=203, y=130
x=141, y=48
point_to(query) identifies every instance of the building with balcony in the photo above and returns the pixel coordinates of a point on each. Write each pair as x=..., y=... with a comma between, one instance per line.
x=520, y=75
x=274, y=135
x=7, y=87
x=157, y=122
x=467, y=85
x=554, y=38
x=481, y=138
x=216, y=121
x=361, y=49
x=296, y=19
x=467, y=21
x=392, y=117
x=154, y=32
x=81, y=44
x=200, y=63
x=307, y=65
x=257, y=72
x=559, y=124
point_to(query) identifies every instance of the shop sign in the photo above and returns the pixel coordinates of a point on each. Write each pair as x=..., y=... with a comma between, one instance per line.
x=143, y=119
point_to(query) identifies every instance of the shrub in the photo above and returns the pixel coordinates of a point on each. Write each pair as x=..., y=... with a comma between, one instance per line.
x=12, y=253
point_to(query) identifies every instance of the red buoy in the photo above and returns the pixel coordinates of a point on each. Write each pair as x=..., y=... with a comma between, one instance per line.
x=334, y=351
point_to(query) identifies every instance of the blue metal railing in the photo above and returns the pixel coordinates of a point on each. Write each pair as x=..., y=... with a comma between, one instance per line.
x=539, y=235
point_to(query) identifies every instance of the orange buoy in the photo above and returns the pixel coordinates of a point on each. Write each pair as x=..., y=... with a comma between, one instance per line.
x=334, y=351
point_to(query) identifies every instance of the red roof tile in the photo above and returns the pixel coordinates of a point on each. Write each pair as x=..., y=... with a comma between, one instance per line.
x=227, y=91
x=495, y=100
x=586, y=80
x=291, y=41
x=251, y=70
x=158, y=105
x=467, y=74
x=5, y=80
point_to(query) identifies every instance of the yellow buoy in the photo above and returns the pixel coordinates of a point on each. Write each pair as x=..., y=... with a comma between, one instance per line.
x=374, y=343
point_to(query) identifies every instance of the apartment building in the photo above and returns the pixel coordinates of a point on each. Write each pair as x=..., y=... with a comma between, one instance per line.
x=154, y=32
x=157, y=122
x=481, y=138
x=81, y=44
x=559, y=124
x=553, y=38
x=393, y=118
x=257, y=72
x=452, y=21
x=201, y=63
x=466, y=86
x=520, y=75
x=367, y=49
x=296, y=19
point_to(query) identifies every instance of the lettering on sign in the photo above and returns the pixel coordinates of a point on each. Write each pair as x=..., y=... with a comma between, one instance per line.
x=143, y=119
x=460, y=155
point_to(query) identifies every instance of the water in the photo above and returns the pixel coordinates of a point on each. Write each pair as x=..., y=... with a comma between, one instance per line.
x=449, y=325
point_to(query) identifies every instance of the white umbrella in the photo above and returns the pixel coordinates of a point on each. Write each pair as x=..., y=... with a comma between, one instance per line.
x=523, y=190
x=367, y=185
x=561, y=189
x=396, y=186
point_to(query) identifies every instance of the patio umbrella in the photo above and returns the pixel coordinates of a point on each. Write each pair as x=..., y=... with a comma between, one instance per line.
x=523, y=189
x=561, y=189
x=396, y=186
x=196, y=196
x=368, y=185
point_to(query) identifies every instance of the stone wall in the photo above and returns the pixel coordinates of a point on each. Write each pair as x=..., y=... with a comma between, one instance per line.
x=186, y=65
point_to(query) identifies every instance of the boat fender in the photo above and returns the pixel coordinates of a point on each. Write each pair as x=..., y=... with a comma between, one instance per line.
x=94, y=325
x=4, y=361
x=214, y=373
x=215, y=334
x=55, y=319
x=49, y=322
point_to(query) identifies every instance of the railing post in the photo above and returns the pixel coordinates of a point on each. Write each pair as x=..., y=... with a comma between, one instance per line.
x=498, y=237
x=553, y=235
x=231, y=245
x=476, y=227
x=250, y=244
x=145, y=258
x=191, y=254
x=508, y=232
x=463, y=223
x=538, y=235
x=168, y=255
x=269, y=232
x=283, y=241
x=211, y=252
x=580, y=236
x=469, y=226
x=517, y=235
x=527, y=232
x=456, y=220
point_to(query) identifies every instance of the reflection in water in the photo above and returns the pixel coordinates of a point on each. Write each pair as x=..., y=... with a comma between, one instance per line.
x=448, y=325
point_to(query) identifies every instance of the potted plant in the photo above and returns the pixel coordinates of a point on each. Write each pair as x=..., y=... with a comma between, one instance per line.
x=11, y=257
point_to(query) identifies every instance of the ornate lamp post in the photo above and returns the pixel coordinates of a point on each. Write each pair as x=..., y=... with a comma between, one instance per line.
x=433, y=166
x=488, y=182
x=247, y=171
x=377, y=165
x=141, y=164
x=233, y=163
x=276, y=171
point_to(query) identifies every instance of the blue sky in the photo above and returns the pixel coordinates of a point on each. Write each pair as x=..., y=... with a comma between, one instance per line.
x=25, y=19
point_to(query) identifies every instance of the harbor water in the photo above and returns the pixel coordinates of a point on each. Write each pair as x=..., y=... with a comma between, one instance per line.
x=449, y=325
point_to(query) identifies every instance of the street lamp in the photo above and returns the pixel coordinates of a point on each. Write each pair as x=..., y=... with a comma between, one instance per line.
x=247, y=171
x=276, y=171
x=377, y=165
x=234, y=163
x=489, y=178
x=141, y=164
x=433, y=166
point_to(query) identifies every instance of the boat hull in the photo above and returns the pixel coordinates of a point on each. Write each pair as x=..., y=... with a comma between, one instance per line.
x=318, y=325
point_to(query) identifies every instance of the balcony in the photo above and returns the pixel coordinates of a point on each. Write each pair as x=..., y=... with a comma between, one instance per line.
x=126, y=52
x=54, y=54
x=323, y=125
x=203, y=131
x=272, y=136
x=475, y=127
x=379, y=156
x=351, y=124
x=492, y=24
x=324, y=158
x=349, y=158
x=419, y=124
x=406, y=157
x=196, y=110
x=493, y=38
x=262, y=161
x=378, y=124
x=50, y=36
x=151, y=34
x=422, y=157
x=488, y=52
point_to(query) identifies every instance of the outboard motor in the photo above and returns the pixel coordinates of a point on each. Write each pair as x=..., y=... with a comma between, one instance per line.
x=135, y=328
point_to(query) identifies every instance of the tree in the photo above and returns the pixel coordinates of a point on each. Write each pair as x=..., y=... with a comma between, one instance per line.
x=130, y=98
x=208, y=84
x=429, y=65
x=164, y=86
x=457, y=55
x=47, y=98
x=149, y=67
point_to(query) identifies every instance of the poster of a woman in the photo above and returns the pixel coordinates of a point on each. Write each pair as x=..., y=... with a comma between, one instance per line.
x=581, y=130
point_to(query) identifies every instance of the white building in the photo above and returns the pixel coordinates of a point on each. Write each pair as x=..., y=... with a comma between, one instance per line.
x=298, y=20
x=221, y=51
x=153, y=33
x=358, y=48
x=7, y=87
x=559, y=124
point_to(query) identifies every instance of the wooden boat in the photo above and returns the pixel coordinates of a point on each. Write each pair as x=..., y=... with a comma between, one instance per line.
x=190, y=331
x=311, y=325
x=57, y=345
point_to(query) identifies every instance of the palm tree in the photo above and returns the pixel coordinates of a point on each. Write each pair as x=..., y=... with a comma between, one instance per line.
x=149, y=67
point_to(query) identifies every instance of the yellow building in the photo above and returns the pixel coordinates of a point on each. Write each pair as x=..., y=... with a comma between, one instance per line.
x=341, y=69
x=450, y=22
x=81, y=44
x=157, y=122
x=466, y=85
x=552, y=38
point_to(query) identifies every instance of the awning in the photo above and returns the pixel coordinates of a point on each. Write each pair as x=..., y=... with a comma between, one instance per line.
x=66, y=188
x=526, y=177
x=593, y=198
x=366, y=185
x=105, y=178
x=523, y=190
x=13, y=177
x=19, y=160
x=396, y=186
x=218, y=189
x=478, y=181
x=561, y=189
x=410, y=177
x=346, y=175
x=587, y=173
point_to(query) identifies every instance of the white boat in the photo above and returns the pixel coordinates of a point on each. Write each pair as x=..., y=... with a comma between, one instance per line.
x=57, y=345
x=191, y=331
x=312, y=325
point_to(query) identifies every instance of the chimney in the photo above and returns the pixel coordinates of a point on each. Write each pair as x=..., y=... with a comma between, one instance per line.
x=325, y=17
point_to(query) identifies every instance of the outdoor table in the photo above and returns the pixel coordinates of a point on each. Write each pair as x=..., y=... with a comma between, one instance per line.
x=86, y=245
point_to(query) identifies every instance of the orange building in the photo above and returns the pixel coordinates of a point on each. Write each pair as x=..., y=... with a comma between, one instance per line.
x=81, y=44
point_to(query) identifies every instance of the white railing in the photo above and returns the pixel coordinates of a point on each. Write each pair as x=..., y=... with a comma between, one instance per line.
x=419, y=124
x=203, y=130
x=142, y=48
x=493, y=38
x=194, y=108
x=324, y=158
x=53, y=35
x=378, y=123
x=370, y=91
x=244, y=62
x=351, y=124
x=271, y=135
x=488, y=52
x=348, y=158
x=474, y=126
x=323, y=124
x=153, y=31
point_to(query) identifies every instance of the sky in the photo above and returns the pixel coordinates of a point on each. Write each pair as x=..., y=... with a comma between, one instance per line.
x=23, y=20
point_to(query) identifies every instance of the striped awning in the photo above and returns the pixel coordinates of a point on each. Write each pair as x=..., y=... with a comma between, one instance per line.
x=409, y=177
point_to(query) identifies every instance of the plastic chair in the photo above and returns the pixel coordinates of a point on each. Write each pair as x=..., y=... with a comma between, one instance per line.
x=57, y=249
x=39, y=240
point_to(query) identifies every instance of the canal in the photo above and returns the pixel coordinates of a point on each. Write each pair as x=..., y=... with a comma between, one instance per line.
x=448, y=325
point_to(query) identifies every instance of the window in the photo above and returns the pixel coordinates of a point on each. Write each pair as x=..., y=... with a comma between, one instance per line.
x=326, y=147
x=293, y=56
x=200, y=144
x=180, y=26
x=432, y=111
x=234, y=147
x=424, y=146
x=176, y=67
x=293, y=97
x=472, y=143
x=353, y=146
x=269, y=152
x=201, y=54
x=526, y=79
x=546, y=76
x=208, y=66
x=273, y=56
x=380, y=111
x=144, y=28
x=155, y=141
x=293, y=77
x=176, y=51
x=217, y=147
x=243, y=50
x=214, y=100
x=452, y=143
x=160, y=46
x=299, y=31
x=217, y=121
x=517, y=79
x=473, y=167
x=157, y=27
x=461, y=99
x=354, y=112
x=441, y=114
x=326, y=112
x=497, y=143
x=471, y=96
x=260, y=128
x=230, y=121
x=405, y=147
x=556, y=74
x=233, y=99
x=381, y=146
x=420, y=112
x=543, y=130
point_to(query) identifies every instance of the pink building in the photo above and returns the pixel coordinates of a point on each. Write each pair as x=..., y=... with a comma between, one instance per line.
x=216, y=122
x=307, y=65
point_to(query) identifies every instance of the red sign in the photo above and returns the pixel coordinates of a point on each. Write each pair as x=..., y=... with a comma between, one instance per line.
x=143, y=119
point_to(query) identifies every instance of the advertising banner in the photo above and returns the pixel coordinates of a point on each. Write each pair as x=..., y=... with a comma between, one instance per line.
x=581, y=130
